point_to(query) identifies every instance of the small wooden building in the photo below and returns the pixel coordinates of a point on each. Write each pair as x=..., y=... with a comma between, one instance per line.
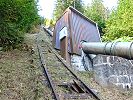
x=70, y=29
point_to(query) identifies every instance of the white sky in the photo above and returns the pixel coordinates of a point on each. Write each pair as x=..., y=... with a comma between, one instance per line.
x=47, y=6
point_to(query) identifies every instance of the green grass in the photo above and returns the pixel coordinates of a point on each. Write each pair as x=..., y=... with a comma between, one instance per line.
x=19, y=78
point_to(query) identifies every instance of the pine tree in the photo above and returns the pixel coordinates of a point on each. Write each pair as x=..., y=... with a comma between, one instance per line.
x=16, y=18
x=120, y=23
x=61, y=5
x=98, y=13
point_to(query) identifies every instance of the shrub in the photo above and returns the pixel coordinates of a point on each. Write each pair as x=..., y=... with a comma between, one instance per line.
x=16, y=18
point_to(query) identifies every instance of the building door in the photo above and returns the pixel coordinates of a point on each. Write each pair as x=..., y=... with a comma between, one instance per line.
x=64, y=44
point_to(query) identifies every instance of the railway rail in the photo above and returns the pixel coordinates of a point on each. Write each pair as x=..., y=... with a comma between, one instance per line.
x=64, y=83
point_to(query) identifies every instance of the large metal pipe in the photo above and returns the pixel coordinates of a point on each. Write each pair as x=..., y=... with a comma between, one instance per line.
x=48, y=31
x=121, y=49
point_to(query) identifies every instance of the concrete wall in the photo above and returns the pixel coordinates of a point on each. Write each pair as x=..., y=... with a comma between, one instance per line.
x=81, y=63
x=113, y=71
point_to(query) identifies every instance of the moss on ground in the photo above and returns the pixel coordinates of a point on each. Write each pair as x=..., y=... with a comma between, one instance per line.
x=21, y=77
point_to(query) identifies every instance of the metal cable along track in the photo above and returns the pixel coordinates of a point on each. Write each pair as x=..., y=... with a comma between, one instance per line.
x=80, y=88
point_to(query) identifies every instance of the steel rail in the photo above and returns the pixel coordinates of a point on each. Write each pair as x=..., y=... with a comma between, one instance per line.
x=88, y=90
x=43, y=65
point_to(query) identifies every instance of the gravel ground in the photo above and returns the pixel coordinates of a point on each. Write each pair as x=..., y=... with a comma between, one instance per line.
x=20, y=75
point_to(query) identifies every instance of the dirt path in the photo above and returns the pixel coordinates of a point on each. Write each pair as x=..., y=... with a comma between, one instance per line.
x=20, y=75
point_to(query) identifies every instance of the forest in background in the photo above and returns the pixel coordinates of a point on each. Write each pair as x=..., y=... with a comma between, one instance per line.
x=114, y=25
x=18, y=17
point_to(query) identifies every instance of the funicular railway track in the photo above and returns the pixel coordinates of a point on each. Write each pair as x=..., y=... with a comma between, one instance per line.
x=64, y=83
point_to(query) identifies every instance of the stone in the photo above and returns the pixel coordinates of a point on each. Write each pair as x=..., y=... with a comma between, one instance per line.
x=113, y=79
x=113, y=70
x=81, y=63
x=1, y=48
x=123, y=79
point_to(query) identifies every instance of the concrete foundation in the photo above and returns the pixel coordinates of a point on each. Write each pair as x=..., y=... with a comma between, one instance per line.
x=81, y=63
x=113, y=71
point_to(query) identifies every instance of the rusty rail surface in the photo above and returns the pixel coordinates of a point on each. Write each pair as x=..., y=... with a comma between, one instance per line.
x=86, y=90
x=67, y=66
x=43, y=65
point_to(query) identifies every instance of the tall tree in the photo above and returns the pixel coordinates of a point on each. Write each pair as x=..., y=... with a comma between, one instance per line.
x=78, y=4
x=16, y=17
x=98, y=13
x=61, y=5
x=120, y=23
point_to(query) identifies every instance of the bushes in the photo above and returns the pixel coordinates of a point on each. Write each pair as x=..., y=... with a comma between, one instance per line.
x=98, y=13
x=16, y=18
x=120, y=23
x=62, y=5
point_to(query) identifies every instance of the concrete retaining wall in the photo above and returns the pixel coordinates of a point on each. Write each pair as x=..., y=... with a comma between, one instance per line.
x=113, y=71
x=81, y=63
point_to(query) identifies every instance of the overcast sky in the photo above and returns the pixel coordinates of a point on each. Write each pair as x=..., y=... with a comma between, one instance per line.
x=47, y=6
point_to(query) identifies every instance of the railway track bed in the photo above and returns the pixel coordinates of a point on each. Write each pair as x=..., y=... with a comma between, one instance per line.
x=64, y=84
